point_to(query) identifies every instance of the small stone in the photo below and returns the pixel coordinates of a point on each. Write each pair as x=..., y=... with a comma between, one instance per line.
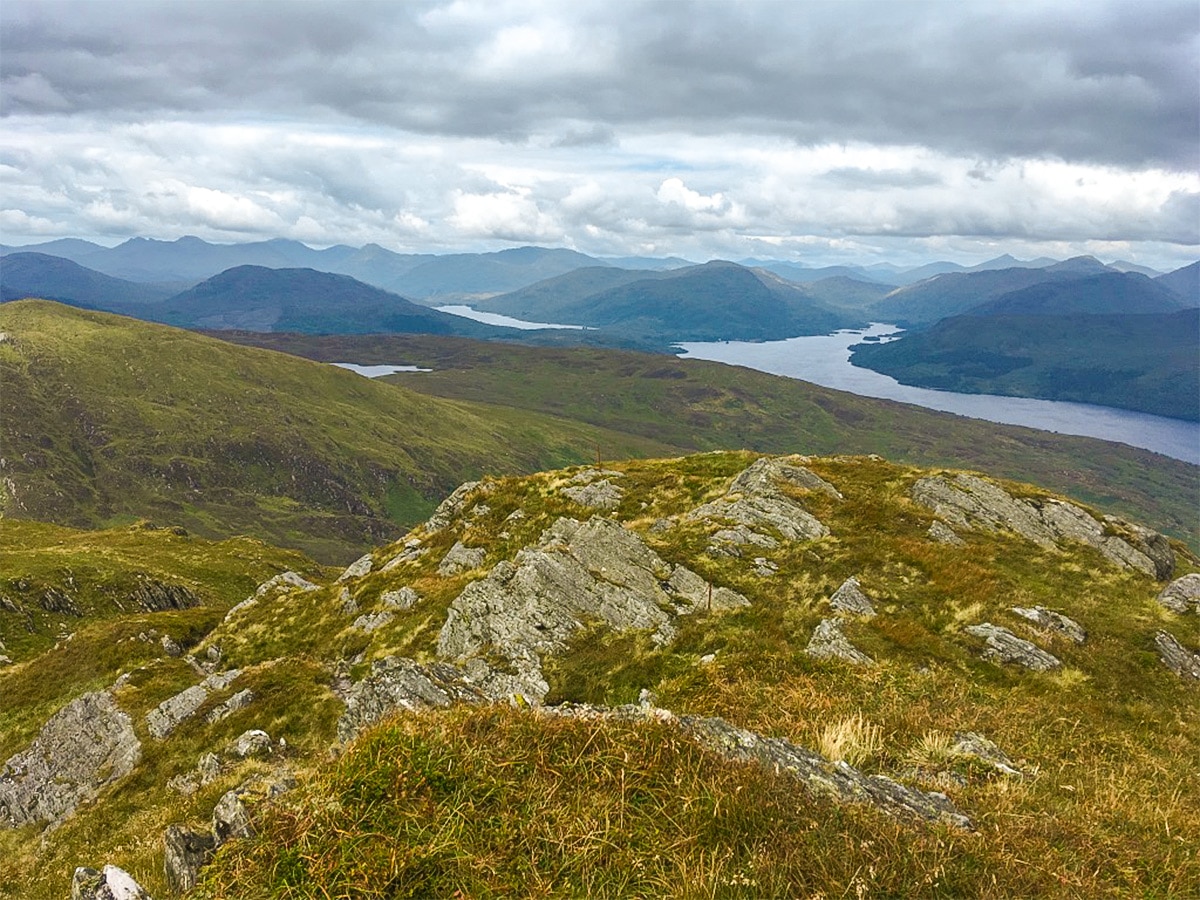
x=254, y=742
x=1182, y=595
x=828, y=641
x=240, y=700
x=372, y=621
x=1176, y=657
x=850, y=598
x=405, y=598
x=208, y=768
x=1005, y=647
x=357, y=569
x=112, y=884
x=1048, y=620
x=942, y=533
x=170, y=647
x=975, y=746
x=346, y=603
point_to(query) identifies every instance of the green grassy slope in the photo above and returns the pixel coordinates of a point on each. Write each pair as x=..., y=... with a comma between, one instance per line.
x=504, y=802
x=105, y=420
x=1149, y=363
x=701, y=405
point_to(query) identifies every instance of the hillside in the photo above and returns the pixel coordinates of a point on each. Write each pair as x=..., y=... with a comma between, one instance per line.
x=800, y=676
x=707, y=406
x=715, y=301
x=1184, y=282
x=1109, y=293
x=54, y=278
x=1145, y=362
x=304, y=300
x=105, y=420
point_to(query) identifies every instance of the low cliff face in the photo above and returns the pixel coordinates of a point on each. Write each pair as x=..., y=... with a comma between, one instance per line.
x=717, y=674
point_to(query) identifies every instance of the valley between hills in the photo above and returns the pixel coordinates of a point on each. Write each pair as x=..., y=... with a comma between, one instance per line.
x=563, y=617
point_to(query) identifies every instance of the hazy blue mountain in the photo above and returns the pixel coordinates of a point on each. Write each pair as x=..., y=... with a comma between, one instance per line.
x=1122, y=265
x=848, y=293
x=58, y=278
x=256, y=298
x=1108, y=293
x=1185, y=282
x=798, y=274
x=954, y=293
x=73, y=249
x=648, y=263
x=488, y=273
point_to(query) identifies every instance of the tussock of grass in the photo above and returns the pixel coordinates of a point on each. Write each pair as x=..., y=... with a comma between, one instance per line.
x=851, y=739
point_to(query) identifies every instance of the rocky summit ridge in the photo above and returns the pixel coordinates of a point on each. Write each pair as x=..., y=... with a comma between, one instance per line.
x=885, y=640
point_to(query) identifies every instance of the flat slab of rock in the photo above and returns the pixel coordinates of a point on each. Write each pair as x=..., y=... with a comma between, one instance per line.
x=1176, y=657
x=973, y=745
x=1005, y=647
x=850, y=598
x=357, y=569
x=601, y=494
x=1183, y=594
x=967, y=501
x=828, y=642
x=1049, y=620
x=577, y=572
x=174, y=711
x=396, y=684
x=86, y=745
x=461, y=558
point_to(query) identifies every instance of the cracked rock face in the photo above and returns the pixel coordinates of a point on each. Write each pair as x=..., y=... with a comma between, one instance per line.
x=113, y=883
x=452, y=507
x=602, y=494
x=578, y=572
x=967, y=501
x=85, y=746
x=461, y=558
x=1005, y=647
x=755, y=500
x=1182, y=595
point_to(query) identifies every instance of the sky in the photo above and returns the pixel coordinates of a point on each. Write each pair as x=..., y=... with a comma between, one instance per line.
x=819, y=132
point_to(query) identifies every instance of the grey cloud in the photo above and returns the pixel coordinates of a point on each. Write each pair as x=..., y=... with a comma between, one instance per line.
x=857, y=179
x=1113, y=83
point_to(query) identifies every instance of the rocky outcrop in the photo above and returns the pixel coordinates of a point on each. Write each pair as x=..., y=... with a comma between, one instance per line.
x=967, y=501
x=594, y=488
x=578, y=572
x=254, y=742
x=230, y=818
x=1005, y=647
x=283, y=583
x=404, y=598
x=86, y=745
x=461, y=558
x=173, y=711
x=157, y=596
x=112, y=883
x=1049, y=620
x=1182, y=595
x=411, y=550
x=240, y=700
x=452, y=507
x=850, y=598
x=185, y=852
x=395, y=684
x=828, y=642
x=756, y=500
x=1176, y=657
x=357, y=569
x=369, y=622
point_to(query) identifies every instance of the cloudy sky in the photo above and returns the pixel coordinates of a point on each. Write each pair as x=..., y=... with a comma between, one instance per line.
x=815, y=131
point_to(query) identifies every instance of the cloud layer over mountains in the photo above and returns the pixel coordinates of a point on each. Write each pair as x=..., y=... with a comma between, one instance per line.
x=801, y=129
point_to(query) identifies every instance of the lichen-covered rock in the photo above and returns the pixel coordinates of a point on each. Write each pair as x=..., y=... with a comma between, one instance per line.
x=729, y=541
x=230, y=818
x=837, y=781
x=1005, y=647
x=172, y=712
x=86, y=745
x=601, y=494
x=358, y=568
x=452, y=506
x=395, y=684
x=1183, y=594
x=111, y=884
x=185, y=852
x=828, y=642
x=254, y=742
x=1049, y=620
x=1176, y=657
x=281, y=583
x=461, y=558
x=973, y=745
x=593, y=571
x=404, y=598
x=240, y=700
x=942, y=533
x=850, y=598
x=754, y=499
x=369, y=622
x=411, y=551
x=968, y=501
